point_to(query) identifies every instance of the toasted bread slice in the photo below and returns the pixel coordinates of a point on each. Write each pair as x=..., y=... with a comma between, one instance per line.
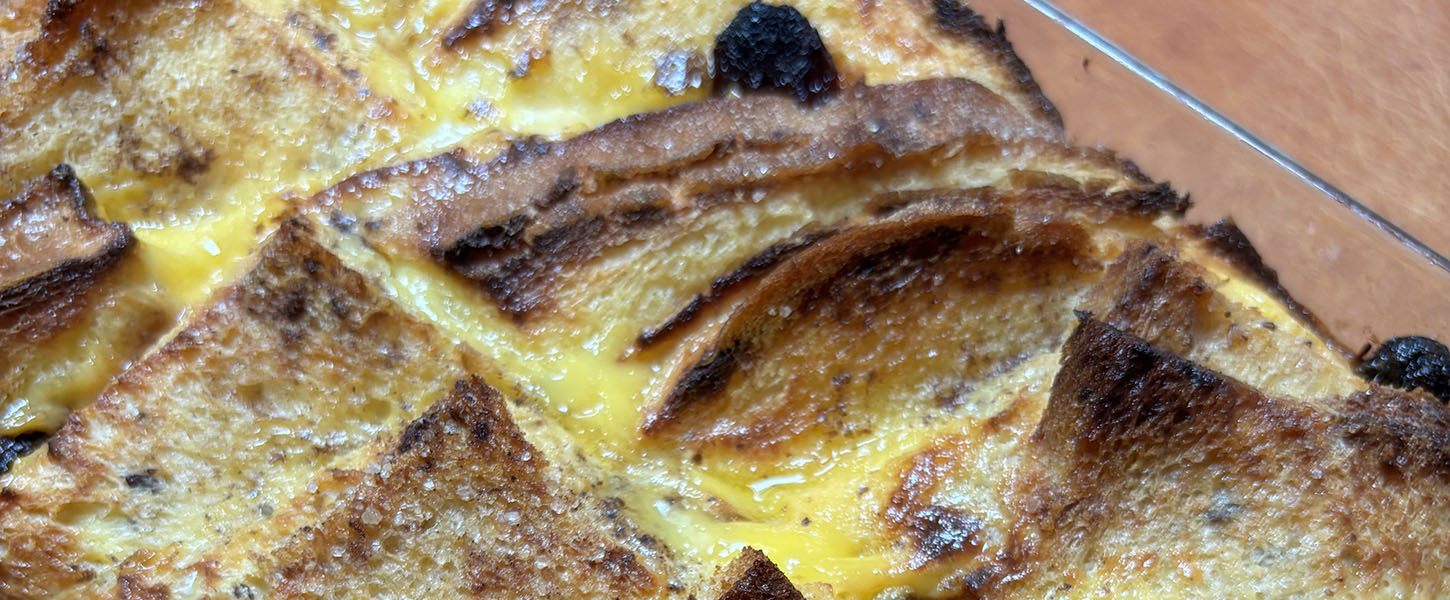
x=643, y=213
x=162, y=486
x=1151, y=291
x=561, y=68
x=1141, y=473
x=751, y=576
x=793, y=291
x=52, y=238
x=72, y=311
x=461, y=507
x=803, y=348
x=173, y=124
x=1164, y=478
x=282, y=376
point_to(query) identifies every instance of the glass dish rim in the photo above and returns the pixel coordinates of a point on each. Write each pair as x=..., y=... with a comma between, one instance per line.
x=1239, y=132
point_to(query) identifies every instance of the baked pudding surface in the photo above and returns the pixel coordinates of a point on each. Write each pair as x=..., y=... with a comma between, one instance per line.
x=646, y=299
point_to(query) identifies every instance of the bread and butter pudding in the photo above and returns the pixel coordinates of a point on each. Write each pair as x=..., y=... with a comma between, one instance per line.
x=628, y=299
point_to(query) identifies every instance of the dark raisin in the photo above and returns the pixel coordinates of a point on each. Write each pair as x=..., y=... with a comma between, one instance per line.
x=775, y=47
x=1411, y=362
x=12, y=448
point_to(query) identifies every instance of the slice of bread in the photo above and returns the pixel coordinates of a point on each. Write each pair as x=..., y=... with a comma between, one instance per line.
x=462, y=503
x=73, y=311
x=563, y=300
x=889, y=279
x=285, y=374
x=202, y=124
x=1147, y=456
x=301, y=436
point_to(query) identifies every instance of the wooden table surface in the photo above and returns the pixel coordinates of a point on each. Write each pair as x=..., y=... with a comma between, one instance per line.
x=1358, y=91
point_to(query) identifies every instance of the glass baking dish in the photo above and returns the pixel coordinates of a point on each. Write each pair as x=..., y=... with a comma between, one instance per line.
x=1364, y=276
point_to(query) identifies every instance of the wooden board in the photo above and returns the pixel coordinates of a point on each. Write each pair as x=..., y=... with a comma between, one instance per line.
x=1365, y=284
x=1358, y=91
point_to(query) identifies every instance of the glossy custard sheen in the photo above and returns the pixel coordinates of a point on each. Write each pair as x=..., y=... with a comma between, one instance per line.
x=821, y=503
x=199, y=160
x=314, y=93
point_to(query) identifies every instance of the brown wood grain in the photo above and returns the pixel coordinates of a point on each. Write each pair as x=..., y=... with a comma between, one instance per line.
x=1356, y=90
x=1381, y=136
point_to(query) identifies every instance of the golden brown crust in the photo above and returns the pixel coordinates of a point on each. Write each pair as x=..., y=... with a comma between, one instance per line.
x=1145, y=452
x=68, y=43
x=1407, y=432
x=38, y=564
x=1146, y=202
x=1230, y=243
x=53, y=250
x=300, y=351
x=957, y=18
x=752, y=576
x=1153, y=294
x=937, y=244
x=465, y=491
x=542, y=205
x=935, y=532
x=542, y=209
x=1115, y=388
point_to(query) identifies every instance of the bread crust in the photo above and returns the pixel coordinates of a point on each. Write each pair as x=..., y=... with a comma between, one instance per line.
x=57, y=251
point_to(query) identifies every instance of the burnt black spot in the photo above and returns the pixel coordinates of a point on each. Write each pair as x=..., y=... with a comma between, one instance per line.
x=643, y=216
x=611, y=507
x=294, y=305
x=338, y=306
x=479, y=431
x=12, y=448
x=179, y=154
x=144, y=480
x=939, y=531
x=618, y=563
x=1411, y=362
x=704, y=380
x=485, y=242
x=775, y=47
x=342, y=222
x=979, y=579
x=415, y=432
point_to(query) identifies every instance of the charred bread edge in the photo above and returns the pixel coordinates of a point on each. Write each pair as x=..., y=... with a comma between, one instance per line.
x=73, y=275
x=1228, y=242
x=957, y=18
